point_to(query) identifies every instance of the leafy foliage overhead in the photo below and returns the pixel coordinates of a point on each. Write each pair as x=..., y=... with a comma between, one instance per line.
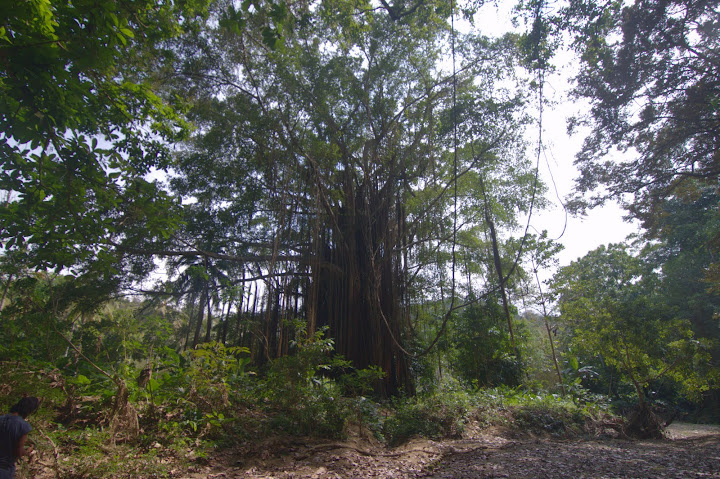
x=82, y=123
x=650, y=70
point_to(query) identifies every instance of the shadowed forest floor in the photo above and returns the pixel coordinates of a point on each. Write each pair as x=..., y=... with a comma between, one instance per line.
x=692, y=452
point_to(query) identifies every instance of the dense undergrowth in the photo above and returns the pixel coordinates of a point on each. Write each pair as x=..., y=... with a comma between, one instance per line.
x=189, y=405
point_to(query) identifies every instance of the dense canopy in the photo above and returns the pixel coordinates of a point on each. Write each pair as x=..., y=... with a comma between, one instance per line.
x=225, y=210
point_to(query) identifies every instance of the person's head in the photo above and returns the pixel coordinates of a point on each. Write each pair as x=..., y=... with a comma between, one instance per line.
x=25, y=406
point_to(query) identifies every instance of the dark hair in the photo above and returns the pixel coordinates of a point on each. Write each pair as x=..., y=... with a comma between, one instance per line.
x=26, y=406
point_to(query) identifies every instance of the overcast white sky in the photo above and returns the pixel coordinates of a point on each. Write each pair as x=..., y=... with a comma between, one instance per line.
x=602, y=225
x=580, y=235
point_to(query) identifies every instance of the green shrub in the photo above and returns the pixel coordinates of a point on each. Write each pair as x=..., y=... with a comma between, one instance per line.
x=299, y=399
x=437, y=415
x=535, y=412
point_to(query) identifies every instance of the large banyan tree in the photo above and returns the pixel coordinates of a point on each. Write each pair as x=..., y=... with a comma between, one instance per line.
x=352, y=171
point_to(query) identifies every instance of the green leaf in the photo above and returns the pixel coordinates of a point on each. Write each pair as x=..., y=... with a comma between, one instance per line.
x=153, y=384
x=573, y=362
x=127, y=32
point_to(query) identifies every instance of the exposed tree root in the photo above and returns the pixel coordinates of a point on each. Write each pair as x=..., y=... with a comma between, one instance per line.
x=643, y=423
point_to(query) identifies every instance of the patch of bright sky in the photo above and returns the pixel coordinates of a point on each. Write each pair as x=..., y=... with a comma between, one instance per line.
x=602, y=225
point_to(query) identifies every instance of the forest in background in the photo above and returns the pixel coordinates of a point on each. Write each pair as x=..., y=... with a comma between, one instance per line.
x=223, y=219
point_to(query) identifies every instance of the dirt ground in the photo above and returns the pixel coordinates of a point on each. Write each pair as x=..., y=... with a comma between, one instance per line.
x=693, y=451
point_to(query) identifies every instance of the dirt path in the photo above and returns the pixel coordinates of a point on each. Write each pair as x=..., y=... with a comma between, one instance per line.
x=682, y=458
x=684, y=430
x=694, y=452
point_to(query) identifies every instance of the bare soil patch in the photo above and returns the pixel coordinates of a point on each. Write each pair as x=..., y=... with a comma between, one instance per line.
x=693, y=452
x=543, y=458
x=686, y=430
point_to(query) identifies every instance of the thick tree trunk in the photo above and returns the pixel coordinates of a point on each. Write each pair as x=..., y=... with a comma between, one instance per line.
x=190, y=325
x=224, y=322
x=272, y=319
x=5, y=291
x=642, y=422
x=358, y=290
x=498, y=270
x=238, y=316
x=208, y=328
x=501, y=280
x=200, y=316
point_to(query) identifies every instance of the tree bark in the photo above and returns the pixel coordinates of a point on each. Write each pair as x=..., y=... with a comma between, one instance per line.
x=359, y=297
